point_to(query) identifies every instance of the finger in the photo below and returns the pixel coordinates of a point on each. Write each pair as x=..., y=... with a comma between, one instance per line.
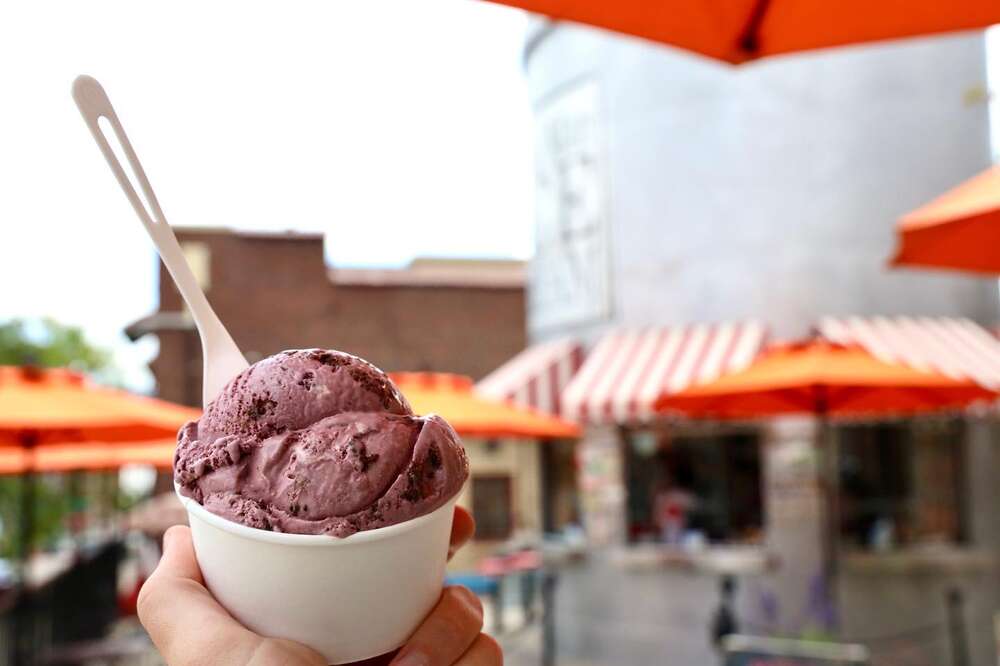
x=178, y=558
x=462, y=529
x=446, y=633
x=272, y=651
x=485, y=651
x=381, y=660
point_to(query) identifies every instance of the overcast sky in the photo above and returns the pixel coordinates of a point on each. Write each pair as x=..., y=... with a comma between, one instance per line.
x=400, y=128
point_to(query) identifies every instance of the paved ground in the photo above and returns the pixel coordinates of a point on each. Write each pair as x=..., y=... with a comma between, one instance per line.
x=523, y=648
x=605, y=615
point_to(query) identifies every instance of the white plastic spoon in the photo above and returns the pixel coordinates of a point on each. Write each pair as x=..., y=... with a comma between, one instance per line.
x=222, y=358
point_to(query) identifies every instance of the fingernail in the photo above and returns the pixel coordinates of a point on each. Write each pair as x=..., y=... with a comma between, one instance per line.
x=413, y=658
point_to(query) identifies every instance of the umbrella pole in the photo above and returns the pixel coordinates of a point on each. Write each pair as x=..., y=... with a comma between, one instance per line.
x=76, y=513
x=27, y=517
x=831, y=485
x=24, y=633
x=23, y=630
x=27, y=522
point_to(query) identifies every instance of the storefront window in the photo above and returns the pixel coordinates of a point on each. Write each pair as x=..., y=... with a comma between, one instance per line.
x=900, y=483
x=491, y=507
x=693, y=488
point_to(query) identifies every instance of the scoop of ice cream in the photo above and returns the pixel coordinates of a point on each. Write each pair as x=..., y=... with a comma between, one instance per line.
x=317, y=442
x=294, y=389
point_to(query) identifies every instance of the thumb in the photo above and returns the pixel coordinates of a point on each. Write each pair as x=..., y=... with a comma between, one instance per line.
x=188, y=625
x=178, y=560
x=177, y=611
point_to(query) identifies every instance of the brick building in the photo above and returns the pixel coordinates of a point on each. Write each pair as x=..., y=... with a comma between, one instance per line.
x=274, y=291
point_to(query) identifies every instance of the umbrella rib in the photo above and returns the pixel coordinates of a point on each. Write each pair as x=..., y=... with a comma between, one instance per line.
x=749, y=40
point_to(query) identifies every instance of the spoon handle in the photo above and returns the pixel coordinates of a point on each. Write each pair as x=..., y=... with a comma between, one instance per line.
x=222, y=359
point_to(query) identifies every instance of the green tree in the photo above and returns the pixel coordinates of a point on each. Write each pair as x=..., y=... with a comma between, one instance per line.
x=49, y=344
x=42, y=343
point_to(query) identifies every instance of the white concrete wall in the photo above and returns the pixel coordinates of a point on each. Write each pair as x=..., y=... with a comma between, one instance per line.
x=770, y=191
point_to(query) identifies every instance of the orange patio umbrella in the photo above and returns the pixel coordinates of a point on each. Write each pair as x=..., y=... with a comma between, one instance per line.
x=959, y=230
x=61, y=406
x=820, y=378
x=55, y=420
x=736, y=31
x=453, y=398
x=86, y=457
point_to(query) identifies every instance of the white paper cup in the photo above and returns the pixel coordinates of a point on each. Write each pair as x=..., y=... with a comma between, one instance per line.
x=349, y=599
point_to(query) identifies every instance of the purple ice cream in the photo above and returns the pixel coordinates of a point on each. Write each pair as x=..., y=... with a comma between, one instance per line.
x=317, y=442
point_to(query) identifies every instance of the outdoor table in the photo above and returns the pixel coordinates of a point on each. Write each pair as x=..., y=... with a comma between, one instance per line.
x=526, y=564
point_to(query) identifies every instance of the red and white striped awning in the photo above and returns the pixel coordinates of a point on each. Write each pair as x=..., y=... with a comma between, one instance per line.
x=955, y=347
x=536, y=377
x=628, y=370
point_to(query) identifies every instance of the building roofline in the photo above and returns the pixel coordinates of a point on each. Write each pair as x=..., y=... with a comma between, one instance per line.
x=287, y=234
x=481, y=278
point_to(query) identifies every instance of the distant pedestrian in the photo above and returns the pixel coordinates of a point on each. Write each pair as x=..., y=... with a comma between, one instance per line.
x=724, y=621
x=671, y=508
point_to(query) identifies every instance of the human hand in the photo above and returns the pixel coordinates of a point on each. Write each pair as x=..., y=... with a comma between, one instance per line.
x=190, y=628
